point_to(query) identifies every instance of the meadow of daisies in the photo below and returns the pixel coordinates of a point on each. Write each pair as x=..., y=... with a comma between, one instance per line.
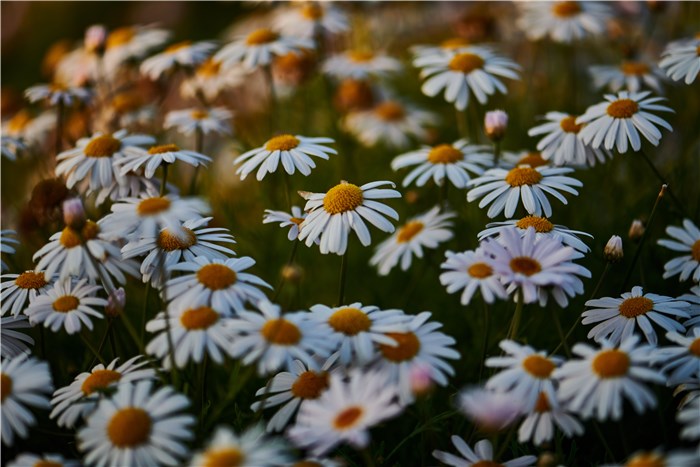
x=357, y=234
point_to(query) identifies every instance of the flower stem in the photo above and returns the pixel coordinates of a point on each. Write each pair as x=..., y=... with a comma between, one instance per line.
x=273, y=96
x=59, y=127
x=144, y=310
x=92, y=348
x=515, y=324
x=496, y=153
x=560, y=331
x=462, y=127
x=485, y=343
x=283, y=280
x=663, y=181
x=165, y=178
x=341, y=281
x=444, y=199
x=198, y=147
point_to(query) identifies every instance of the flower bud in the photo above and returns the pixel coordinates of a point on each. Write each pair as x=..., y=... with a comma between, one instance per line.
x=95, y=37
x=292, y=273
x=421, y=379
x=636, y=230
x=115, y=303
x=490, y=411
x=495, y=124
x=613, y=250
x=74, y=213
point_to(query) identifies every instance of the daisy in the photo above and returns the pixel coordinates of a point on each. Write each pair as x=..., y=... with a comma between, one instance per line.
x=250, y=449
x=57, y=94
x=310, y=19
x=481, y=455
x=687, y=241
x=657, y=457
x=562, y=143
x=681, y=60
x=595, y=384
x=345, y=412
x=471, y=271
x=333, y=214
x=183, y=54
x=293, y=220
x=210, y=80
x=619, y=121
x=92, y=161
x=137, y=426
x=361, y=64
x=129, y=43
x=293, y=152
x=448, y=46
x=490, y=411
x=12, y=148
x=156, y=156
x=547, y=414
x=425, y=230
x=617, y=317
x=221, y=282
x=207, y=120
x=391, y=123
x=563, y=21
x=67, y=305
x=681, y=362
x=129, y=185
x=275, y=341
x=543, y=228
x=79, y=399
x=32, y=131
x=13, y=342
x=693, y=298
x=258, y=48
x=7, y=241
x=18, y=289
x=453, y=161
x=687, y=416
x=473, y=70
x=27, y=459
x=420, y=345
x=630, y=76
x=26, y=382
x=502, y=189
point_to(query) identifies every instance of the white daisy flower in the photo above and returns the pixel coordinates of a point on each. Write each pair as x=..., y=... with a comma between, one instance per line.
x=92, y=161
x=547, y=414
x=675, y=458
x=57, y=93
x=130, y=185
x=275, y=340
x=687, y=416
x=502, y=189
x=221, y=282
x=67, y=305
x=129, y=43
x=681, y=362
x=32, y=131
x=453, y=161
x=27, y=459
x=481, y=455
x=293, y=220
x=619, y=317
x=11, y=149
x=391, y=123
x=426, y=230
x=472, y=70
x=448, y=46
x=563, y=21
x=333, y=214
x=152, y=158
x=596, y=384
x=210, y=80
x=619, y=121
x=20, y=289
x=681, y=60
x=685, y=239
x=361, y=64
x=543, y=228
x=13, y=342
x=253, y=448
x=79, y=399
x=207, y=120
x=345, y=412
x=490, y=411
x=310, y=19
x=137, y=426
x=258, y=48
x=562, y=143
x=26, y=382
x=183, y=54
x=471, y=271
x=7, y=241
x=693, y=298
x=293, y=152
x=419, y=346
x=630, y=76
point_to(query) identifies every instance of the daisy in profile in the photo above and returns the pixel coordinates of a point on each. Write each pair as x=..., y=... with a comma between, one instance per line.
x=681, y=362
x=138, y=426
x=618, y=318
x=183, y=54
x=693, y=298
x=130, y=43
x=595, y=384
x=481, y=455
x=502, y=189
x=546, y=415
x=258, y=48
x=681, y=60
x=345, y=412
x=451, y=161
x=686, y=240
x=130, y=185
x=470, y=271
x=448, y=46
x=391, y=123
x=426, y=230
x=563, y=21
x=309, y=19
x=26, y=383
x=20, y=289
x=292, y=221
x=33, y=131
x=561, y=142
x=619, y=121
x=13, y=342
x=630, y=76
x=27, y=459
x=79, y=399
x=216, y=120
x=687, y=416
x=332, y=215
x=293, y=152
x=252, y=448
x=676, y=458
x=275, y=341
x=7, y=242
x=57, y=93
x=211, y=80
x=473, y=70
x=361, y=64
x=155, y=156
x=543, y=228
x=221, y=282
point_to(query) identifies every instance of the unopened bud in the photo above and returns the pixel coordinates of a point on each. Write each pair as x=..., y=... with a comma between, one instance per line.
x=74, y=213
x=613, y=250
x=292, y=273
x=636, y=230
x=495, y=124
x=546, y=459
x=95, y=37
x=411, y=196
x=115, y=303
x=421, y=379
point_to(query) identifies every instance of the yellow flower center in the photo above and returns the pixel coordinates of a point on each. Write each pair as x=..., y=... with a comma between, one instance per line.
x=163, y=149
x=520, y=176
x=178, y=46
x=18, y=122
x=694, y=347
x=5, y=387
x=540, y=224
x=568, y=124
x=350, y=321
x=533, y=159
x=525, y=265
x=342, y=198
x=622, y=108
x=646, y=459
x=466, y=63
x=261, y=36
x=209, y=68
x=360, y=56
x=310, y=385
x=484, y=463
x=454, y=43
x=306, y=464
x=480, y=270
x=296, y=220
x=99, y=379
x=45, y=463
x=65, y=304
x=102, y=146
x=407, y=348
x=195, y=319
x=281, y=332
x=30, y=280
x=70, y=238
x=129, y=427
x=354, y=94
x=390, y=111
x=408, y=231
x=695, y=251
x=120, y=36
x=282, y=143
x=611, y=363
x=312, y=11
x=566, y=9
x=153, y=206
x=634, y=68
x=445, y=154
x=347, y=418
x=199, y=114
x=225, y=457
x=697, y=50
x=216, y=276
x=542, y=404
x=171, y=242
x=126, y=102
x=538, y=366
x=635, y=306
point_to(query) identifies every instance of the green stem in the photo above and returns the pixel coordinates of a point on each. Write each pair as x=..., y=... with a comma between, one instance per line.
x=496, y=153
x=198, y=147
x=515, y=324
x=132, y=331
x=608, y=451
x=367, y=456
x=59, y=127
x=287, y=189
x=144, y=311
x=560, y=331
x=444, y=199
x=462, y=129
x=283, y=280
x=663, y=181
x=485, y=343
x=341, y=281
x=165, y=178
x=92, y=348
x=273, y=96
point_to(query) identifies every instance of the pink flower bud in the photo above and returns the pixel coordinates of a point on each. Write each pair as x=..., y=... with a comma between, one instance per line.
x=421, y=379
x=95, y=37
x=74, y=213
x=495, y=124
x=115, y=303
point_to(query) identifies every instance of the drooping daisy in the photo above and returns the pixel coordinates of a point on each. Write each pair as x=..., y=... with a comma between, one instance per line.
x=129, y=43
x=26, y=382
x=12, y=342
x=293, y=220
x=129, y=186
x=681, y=60
x=547, y=414
x=79, y=399
x=310, y=19
x=563, y=21
x=426, y=230
x=20, y=289
x=209, y=120
x=543, y=228
x=221, y=282
x=138, y=426
x=562, y=143
x=361, y=64
x=211, y=80
x=453, y=161
x=681, y=362
x=619, y=121
x=685, y=239
x=676, y=458
x=259, y=47
x=503, y=189
x=57, y=93
x=619, y=317
x=155, y=156
x=490, y=411
x=253, y=448
x=7, y=241
x=448, y=46
x=27, y=459
x=183, y=54
x=596, y=384
x=481, y=455
x=333, y=214
x=472, y=70
x=391, y=123
x=293, y=152
x=345, y=412
x=687, y=416
x=629, y=76
x=471, y=271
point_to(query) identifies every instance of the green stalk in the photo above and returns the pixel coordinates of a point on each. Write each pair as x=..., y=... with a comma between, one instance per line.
x=165, y=178
x=341, y=281
x=515, y=324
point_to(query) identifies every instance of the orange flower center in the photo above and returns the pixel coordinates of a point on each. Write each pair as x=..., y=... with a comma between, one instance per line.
x=623, y=108
x=102, y=146
x=540, y=224
x=347, y=418
x=171, y=242
x=99, y=379
x=282, y=143
x=5, y=387
x=646, y=459
x=261, y=36
x=126, y=102
x=533, y=159
x=216, y=276
x=354, y=94
x=199, y=114
x=281, y=332
x=520, y=176
x=390, y=111
x=466, y=63
x=70, y=238
x=454, y=43
x=18, y=122
x=635, y=306
x=538, y=366
x=407, y=348
x=525, y=265
x=566, y=9
x=310, y=385
x=695, y=251
x=542, y=404
x=342, y=198
x=225, y=457
x=163, y=149
x=360, y=56
x=45, y=463
x=209, y=68
x=611, y=363
x=312, y=11
x=296, y=220
x=695, y=347
x=30, y=280
x=480, y=270
x=120, y=36
x=350, y=321
x=445, y=154
x=152, y=206
x=634, y=68
x=178, y=46
x=198, y=318
x=569, y=125
x=129, y=427
x=408, y=231
x=484, y=463
x=65, y=304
